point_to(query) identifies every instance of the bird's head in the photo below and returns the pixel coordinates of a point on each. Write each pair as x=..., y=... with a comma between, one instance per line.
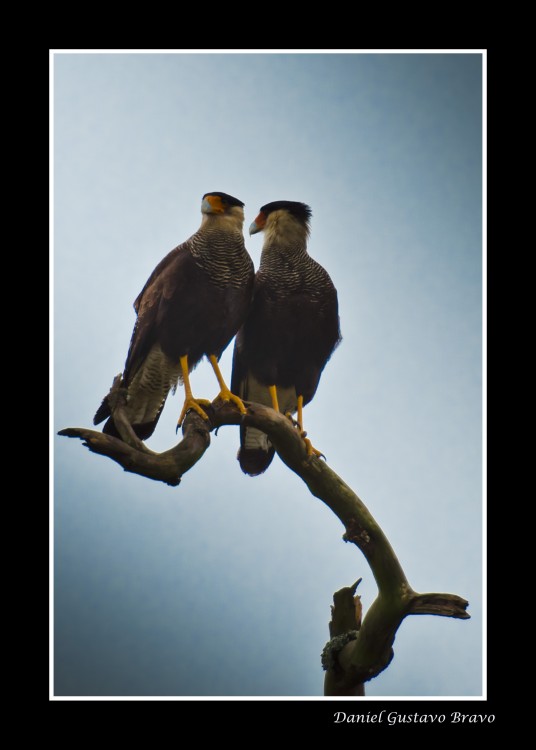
x=278, y=217
x=219, y=204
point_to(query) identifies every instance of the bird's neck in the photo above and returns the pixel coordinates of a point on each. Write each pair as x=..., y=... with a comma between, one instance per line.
x=281, y=252
x=284, y=231
x=218, y=248
x=230, y=221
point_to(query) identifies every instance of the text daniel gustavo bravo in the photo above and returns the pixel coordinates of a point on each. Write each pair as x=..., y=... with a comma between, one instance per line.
x=395, y=717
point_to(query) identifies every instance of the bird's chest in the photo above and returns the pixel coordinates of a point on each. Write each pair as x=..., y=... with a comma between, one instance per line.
x=224, y=268
x=202, y=313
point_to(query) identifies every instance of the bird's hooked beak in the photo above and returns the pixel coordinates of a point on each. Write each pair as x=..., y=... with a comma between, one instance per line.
x=258, y=225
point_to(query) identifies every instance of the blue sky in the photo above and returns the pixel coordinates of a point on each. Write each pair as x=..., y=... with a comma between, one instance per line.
x=223, y=585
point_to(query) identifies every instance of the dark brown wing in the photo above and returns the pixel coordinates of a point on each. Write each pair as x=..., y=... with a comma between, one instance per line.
x=164, y=281
x=158, y=271
x=150, y=304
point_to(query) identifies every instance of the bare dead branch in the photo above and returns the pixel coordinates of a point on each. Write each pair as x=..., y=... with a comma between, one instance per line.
x=358, y=650
x=446, y=605
x=167, y=467
x=345, y=623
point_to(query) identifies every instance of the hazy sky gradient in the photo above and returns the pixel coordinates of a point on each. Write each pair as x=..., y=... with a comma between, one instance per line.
x=223, y=585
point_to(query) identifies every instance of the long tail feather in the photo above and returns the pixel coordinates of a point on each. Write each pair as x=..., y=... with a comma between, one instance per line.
x=256, y=452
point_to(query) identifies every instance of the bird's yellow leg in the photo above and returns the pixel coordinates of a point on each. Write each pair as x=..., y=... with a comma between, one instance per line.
x=225, y=394
x=273, y=395
x=189, y=401
x=300, y=412
x=311, y=450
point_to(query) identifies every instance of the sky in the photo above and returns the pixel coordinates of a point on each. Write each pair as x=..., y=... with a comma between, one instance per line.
x=222, y=586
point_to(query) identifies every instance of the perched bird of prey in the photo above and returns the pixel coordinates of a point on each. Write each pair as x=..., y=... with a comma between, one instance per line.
x=291, y=330
x=192, y=305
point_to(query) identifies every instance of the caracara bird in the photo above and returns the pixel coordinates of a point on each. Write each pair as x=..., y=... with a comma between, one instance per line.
x=291, y=330
x=193, y=304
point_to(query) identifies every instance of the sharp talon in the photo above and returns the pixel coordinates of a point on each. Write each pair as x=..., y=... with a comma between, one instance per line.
x=192, y=404
x=238, y=402
x=226, y=395
x=312, y=451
